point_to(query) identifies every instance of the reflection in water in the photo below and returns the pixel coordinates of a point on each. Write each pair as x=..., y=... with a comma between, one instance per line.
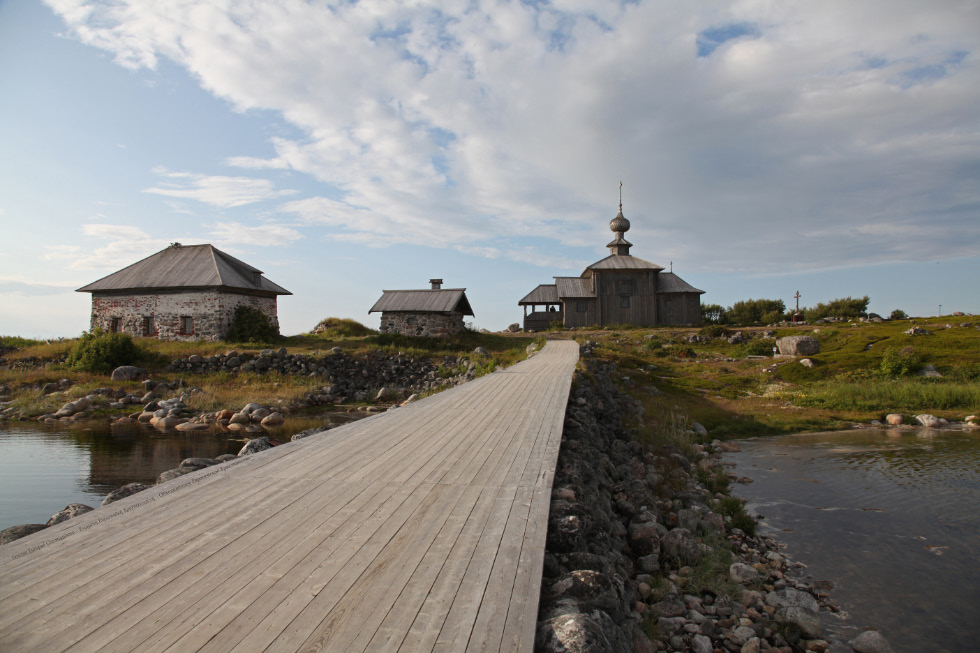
x=890, y=516
x=45, y=467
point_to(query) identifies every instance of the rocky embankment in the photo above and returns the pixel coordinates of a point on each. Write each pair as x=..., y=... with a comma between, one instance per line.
x=639, y=558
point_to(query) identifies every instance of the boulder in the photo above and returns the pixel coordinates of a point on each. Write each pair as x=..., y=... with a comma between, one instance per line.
x=789, y=597
x=807, y=362
x=894, y=419
x=586, y=590
x=71, y=510
x=273, y=419
x=798, y=346
x=255, y=446
x=514, y=328
x=124, y=491
x=581, y=632
x=8, y=535
x=385, y=394
x=192, y=426
x=681, y=545
x=806, y=622
x=239, y=418
x=930, y=421
x=128, y=373
x=171, y=474
x=871, y=641
x=481, y=351
x=742, y=573
x=198, y=463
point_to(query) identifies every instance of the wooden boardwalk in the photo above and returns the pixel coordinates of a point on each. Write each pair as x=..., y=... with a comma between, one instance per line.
x=419, y=529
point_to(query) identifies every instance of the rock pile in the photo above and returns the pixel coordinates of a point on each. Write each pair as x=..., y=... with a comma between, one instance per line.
x=629, y=530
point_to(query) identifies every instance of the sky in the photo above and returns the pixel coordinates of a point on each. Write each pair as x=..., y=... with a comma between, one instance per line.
x=765, y=147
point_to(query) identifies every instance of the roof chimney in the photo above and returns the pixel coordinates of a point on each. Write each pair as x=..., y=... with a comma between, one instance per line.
x=436, y=283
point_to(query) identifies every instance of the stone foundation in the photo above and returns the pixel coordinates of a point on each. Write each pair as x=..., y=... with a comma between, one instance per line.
x=210, y=312
x=438, y=325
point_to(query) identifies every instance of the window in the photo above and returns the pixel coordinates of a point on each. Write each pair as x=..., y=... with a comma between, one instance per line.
x=624, y=302
x=186, y=325
x=115, y=325
x=581, y=307
x=624, y=287
x=148, y=327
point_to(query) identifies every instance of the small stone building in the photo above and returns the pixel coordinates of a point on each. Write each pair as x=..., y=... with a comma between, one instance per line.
x=181, y=293
x=619, y=289
x=434, y=312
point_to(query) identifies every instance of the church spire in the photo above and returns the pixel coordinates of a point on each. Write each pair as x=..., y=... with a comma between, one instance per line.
x=620, y=225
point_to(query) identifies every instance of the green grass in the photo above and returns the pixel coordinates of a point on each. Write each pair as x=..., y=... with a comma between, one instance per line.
x=337, y=327
x=18, y=342
x=907, y=395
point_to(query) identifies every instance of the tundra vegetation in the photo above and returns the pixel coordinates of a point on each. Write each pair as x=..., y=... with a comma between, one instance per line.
x=27, y=365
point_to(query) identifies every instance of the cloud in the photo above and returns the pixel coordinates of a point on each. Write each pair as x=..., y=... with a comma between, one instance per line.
x=749, y=129
x=264, y=235
x=223, y=192
x=126, y=245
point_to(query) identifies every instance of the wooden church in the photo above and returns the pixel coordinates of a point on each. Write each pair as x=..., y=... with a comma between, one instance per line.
x=620, y=289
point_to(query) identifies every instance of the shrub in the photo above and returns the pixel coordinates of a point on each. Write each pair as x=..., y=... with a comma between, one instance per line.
x=251, y=325
x=713, y=331
x=846, y=307
x=713, y=314
x=900, y=363
x=100, y=352
x=341, y=327
x=755, y=347
x=753, y=310
x=897, y=314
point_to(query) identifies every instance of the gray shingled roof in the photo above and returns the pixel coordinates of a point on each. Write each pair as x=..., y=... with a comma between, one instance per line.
x=423, y=301
x=623, y=262
x=543, y=294
x=187, y=266
x=670, y=282
x=574, y=287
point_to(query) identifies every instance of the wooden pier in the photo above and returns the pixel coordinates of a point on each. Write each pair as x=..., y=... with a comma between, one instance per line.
x=419, y=529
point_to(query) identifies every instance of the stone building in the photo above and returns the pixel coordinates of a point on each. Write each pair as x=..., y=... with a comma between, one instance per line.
x=619, y=289
x=181, y=293
x=436, y=311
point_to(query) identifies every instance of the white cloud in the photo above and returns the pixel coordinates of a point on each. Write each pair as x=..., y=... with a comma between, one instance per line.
x=122, y=246
x=223, y=192
x=475, y=126
x=264, y=235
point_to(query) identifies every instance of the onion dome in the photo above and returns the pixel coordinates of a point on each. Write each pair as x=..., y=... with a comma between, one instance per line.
x=619, y=224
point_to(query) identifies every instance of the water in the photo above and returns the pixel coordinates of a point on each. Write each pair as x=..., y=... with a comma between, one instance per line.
x=891, y=517
x=45, y=467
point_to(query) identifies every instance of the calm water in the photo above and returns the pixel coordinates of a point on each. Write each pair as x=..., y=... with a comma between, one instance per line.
x=44, y=467
x=891, y=518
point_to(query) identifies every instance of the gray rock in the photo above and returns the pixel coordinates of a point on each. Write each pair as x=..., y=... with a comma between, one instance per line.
x=225, y=457
x=798, y=346
x=171, y=474
x=385, y=394
x=807, y=622
x=742, y=573
x=480, y=351
x=789, y=597
x=644, y=538
x=8, y=535
x=701, y=644
x=233, y=361
x=262, y=363
x=871, y=641
x=128, y=373
x=929, y=421
x=124, y=491
x=699, y=428
x=580, y=632
x=71, y=510
x=895, y=419
x=254, y=446
x=50, y=387
x=273, y=419
x=587, y=590
x=681, y=545
x=806, y=362
x=198, y=463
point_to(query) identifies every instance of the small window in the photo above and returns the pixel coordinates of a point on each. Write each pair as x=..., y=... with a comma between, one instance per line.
x=186, y=325
x=624, y=302
x=624, y=287
x=581, y=307
x=115, y=325
x=148, y=327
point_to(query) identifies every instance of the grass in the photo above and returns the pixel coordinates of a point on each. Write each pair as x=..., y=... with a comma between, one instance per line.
x=899, y=395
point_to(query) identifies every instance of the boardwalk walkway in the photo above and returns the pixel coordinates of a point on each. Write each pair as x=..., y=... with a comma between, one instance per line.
x=420, y=529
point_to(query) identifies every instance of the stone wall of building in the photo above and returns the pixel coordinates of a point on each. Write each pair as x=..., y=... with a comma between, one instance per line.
x=160, y=315
x=439, y=325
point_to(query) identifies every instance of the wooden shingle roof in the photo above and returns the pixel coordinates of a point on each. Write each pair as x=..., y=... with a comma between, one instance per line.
x=423, y=301
x=187, y=267
x=574, y=287
x=543, y=294
x=670, y=282
x=623, y=262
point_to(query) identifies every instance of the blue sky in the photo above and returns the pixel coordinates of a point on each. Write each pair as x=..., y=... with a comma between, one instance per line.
x=348, y=147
